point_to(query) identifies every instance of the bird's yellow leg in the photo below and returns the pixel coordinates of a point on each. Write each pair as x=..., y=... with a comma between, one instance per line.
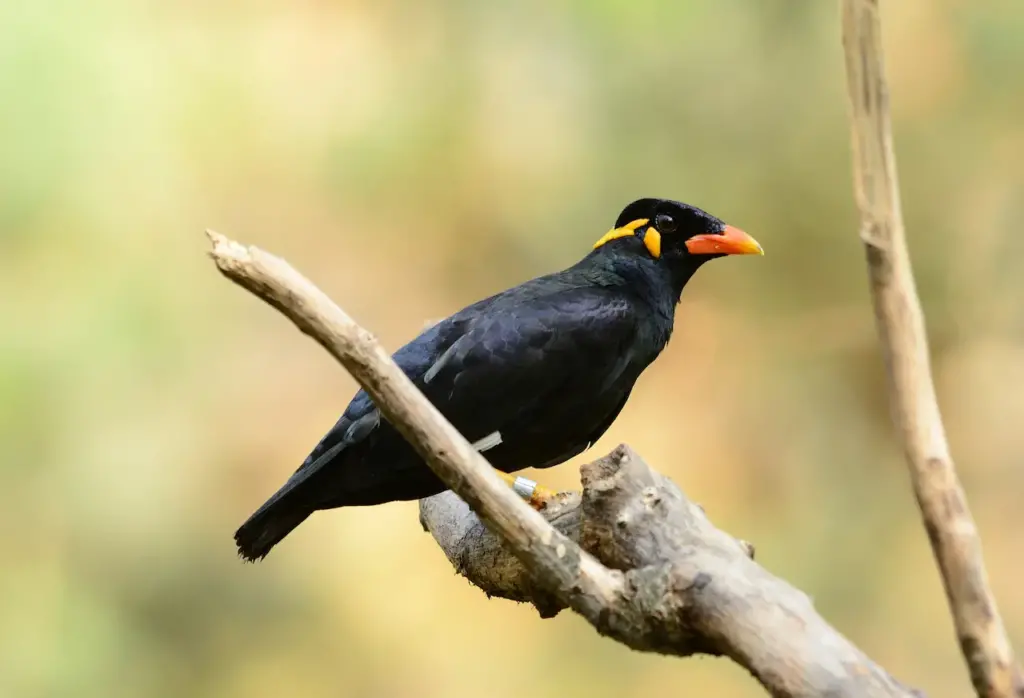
x=528, y=489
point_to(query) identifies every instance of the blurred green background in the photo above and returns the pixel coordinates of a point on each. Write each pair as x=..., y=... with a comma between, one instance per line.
x=411, y=157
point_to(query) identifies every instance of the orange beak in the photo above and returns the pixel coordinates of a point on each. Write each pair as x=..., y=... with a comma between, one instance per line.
x=730, y=241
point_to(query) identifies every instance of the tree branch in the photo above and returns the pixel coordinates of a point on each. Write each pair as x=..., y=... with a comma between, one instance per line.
x=697, y=584
x=947, y=519
x=670, y=581
x=575, y=577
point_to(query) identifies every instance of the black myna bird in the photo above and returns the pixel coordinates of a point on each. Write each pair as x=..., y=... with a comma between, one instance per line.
x=531, y=376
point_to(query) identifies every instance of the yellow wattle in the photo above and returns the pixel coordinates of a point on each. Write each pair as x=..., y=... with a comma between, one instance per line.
x=624, y=231
x=652, y=241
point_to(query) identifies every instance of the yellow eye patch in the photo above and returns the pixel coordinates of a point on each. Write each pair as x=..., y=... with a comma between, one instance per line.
x=624, y=231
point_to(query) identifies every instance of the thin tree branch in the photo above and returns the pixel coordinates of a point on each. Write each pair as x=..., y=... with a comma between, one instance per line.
x=576, y=578
x=947, y=519
x=673, y=583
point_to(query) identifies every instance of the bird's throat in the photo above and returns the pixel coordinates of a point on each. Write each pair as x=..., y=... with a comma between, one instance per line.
x=655, y=282
x=659, y=283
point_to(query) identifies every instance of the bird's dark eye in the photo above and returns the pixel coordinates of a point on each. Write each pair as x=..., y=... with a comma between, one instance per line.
x=665, y=223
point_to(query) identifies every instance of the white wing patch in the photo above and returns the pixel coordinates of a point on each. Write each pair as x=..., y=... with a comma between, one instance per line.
x=488, y=442
x=442, y=360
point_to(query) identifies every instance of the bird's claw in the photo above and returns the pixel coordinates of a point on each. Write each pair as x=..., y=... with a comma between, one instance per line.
x=540, y=497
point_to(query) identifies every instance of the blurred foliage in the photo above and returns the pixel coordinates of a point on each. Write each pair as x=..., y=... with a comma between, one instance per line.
x=412, y=157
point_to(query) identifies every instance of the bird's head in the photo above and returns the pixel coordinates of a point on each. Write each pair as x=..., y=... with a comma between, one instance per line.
x=675, y=234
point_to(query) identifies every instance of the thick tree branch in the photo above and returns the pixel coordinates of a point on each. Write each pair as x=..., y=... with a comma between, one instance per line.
x=670, y=583
x=947, y=519
x=698, y=585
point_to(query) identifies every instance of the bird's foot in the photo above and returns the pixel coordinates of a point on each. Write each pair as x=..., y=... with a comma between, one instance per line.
x=535, y=495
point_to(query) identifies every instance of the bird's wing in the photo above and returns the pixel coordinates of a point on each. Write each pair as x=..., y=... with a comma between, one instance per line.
x=361, y=416
x=523, y=353
x=493, y=363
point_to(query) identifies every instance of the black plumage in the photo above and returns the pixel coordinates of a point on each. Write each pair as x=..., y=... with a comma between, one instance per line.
x=535, y=374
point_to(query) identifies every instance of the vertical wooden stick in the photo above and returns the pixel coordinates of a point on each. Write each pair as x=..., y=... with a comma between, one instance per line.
x=947, y=519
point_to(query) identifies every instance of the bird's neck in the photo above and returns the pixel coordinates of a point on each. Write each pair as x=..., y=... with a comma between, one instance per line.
x=657, y=284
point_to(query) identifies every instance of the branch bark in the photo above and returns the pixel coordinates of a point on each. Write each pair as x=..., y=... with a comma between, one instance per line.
x=699, y=587
x=954, y=538
x=633, y=555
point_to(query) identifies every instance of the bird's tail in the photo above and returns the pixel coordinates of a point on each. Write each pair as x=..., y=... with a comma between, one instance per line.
x=278, y=517
x=264, y=530
x=288, y=507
